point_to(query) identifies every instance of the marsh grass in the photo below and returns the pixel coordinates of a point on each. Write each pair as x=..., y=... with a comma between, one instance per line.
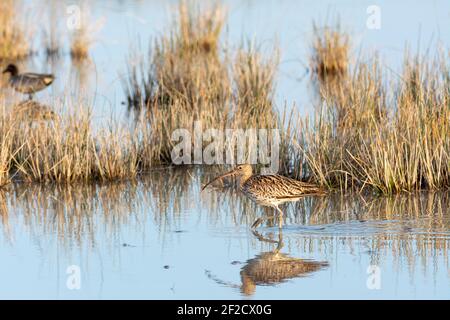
x=372, y=130
x=183, y=66
x=6, y=151
x=52, y=35
x=64, y=148
x=254, y=83
x=330, y=52
x=15, y=33
x=84, y=33
x=188, y=77
x=57, y=151
x=380, y=131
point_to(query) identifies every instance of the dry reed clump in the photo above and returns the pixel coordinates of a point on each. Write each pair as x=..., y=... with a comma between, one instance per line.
x=6, y=149
x=58, y=151
x=84, y=33
x=254, y=81
x=30, y=110
x=184, y=65
x=15, y=34
x=198, y=31
x=375, y=132
x=65, y=149
x=116, y=154
x=189, y=79
x=52, y=35
x=80, y=43
x=330, y=52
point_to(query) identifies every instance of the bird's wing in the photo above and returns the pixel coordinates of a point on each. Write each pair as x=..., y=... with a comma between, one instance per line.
x=23, y=80
x=276, y=186
x=31, y=75
x=47, y=78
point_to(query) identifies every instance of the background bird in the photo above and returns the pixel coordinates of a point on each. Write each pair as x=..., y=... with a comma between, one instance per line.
x=269, y=190
x=28, y=83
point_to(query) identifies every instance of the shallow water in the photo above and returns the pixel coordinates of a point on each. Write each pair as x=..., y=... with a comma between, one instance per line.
x=159, y=238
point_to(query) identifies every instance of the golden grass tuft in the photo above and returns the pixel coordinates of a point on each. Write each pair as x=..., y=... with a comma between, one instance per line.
x=52, y=36
x=84, y=34
x=65, y=149
x=187, y=77
x=330, y=52
x=372, y=130
x=254, y=80
x=6, y=150
x=385, y=134
x=80, y=45
x=184, y=65
x=15, y=34
x=198, y=28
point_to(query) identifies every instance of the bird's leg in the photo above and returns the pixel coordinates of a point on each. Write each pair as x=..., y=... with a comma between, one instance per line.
x=280, y=217
x=260, y=220
x=279, y=242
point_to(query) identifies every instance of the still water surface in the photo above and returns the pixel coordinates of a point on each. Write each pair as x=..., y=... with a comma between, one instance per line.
x=160, y=238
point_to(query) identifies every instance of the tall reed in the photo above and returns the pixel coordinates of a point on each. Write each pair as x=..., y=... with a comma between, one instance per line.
x=189, y=77
x=330, y=52
x=84, y=32
x=375, y=131
x=15, y=33
x=66, y=149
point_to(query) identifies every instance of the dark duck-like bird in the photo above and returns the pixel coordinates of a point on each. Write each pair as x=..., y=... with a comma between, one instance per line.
x=270, y=190
x=28, y=83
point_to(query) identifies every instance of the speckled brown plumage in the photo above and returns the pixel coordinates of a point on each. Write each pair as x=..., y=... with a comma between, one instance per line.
x=269, y=190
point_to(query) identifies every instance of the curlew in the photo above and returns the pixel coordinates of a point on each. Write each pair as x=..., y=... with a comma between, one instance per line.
x=28, y=83
x=269, y=190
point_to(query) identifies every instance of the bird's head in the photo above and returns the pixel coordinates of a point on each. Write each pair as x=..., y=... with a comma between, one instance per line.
x=242, y=170
x=12, y=69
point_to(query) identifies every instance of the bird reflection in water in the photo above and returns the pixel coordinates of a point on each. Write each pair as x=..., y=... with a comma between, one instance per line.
x=271, y=268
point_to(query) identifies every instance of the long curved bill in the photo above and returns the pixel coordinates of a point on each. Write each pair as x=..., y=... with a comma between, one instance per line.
x=230, y=173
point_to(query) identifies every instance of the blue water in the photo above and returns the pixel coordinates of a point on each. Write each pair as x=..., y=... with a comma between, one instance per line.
x=159, y=238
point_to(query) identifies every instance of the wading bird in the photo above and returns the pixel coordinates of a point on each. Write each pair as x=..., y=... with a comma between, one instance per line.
x=269, y=190
x=28, y=83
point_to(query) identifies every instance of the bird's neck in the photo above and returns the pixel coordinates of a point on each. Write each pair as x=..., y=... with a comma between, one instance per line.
x=13, y=72
x=243, y=178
